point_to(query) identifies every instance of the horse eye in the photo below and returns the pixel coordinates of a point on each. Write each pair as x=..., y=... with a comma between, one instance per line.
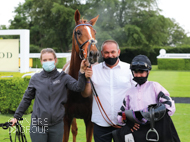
x=78, y=33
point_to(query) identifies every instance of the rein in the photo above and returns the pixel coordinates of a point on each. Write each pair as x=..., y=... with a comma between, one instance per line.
x=19, y=131
x=91, y=41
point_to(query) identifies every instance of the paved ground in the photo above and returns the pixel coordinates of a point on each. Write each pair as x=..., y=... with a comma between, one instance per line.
x=181, y=99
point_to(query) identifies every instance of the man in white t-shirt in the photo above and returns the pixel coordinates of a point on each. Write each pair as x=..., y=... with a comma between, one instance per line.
x=111, y=79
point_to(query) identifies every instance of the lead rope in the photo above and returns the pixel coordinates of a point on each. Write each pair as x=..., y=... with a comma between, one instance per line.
x=101, y=107
x=19, y=131
x=92, y=41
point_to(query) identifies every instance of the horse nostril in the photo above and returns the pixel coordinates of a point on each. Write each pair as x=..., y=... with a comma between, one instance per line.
x=91, y=53
x=94, y=54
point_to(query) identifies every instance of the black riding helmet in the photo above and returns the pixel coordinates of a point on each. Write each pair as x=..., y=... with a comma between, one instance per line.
x=140, y=62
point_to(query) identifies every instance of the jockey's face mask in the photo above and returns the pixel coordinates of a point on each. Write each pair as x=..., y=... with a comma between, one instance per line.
x=139, y=67
x=141, y=80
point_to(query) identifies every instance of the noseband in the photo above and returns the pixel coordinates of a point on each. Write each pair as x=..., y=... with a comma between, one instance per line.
x=91, y=41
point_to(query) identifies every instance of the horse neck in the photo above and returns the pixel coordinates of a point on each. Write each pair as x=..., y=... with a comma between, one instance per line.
x=74, y=64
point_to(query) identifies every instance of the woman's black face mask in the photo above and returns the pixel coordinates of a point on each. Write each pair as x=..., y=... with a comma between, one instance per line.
x=110, y=61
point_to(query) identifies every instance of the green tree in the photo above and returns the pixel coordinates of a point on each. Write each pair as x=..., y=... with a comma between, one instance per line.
x=50, y=22
x=150, y=29
x=178, y=35
x=116, y=14
x=4, y=27
x=55, y=19
x=135, y=23
x=24, y=20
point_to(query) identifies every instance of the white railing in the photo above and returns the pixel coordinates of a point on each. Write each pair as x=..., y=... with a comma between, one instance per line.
x=164, y=55
x=37, y=55
x=59, y=55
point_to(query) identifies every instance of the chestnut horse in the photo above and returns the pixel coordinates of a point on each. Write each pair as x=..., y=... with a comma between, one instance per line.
x=83, y=47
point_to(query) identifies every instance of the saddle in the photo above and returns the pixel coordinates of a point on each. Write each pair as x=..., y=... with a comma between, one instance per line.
x=149, y=115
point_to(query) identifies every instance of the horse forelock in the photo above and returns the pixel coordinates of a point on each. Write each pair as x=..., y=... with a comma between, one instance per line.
x=82, y=21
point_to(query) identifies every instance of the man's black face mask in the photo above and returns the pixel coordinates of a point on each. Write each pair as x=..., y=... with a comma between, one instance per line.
x=110, y=61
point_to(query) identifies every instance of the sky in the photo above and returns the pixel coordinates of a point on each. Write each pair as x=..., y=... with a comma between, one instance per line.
x=6, y=10
x=176, y=9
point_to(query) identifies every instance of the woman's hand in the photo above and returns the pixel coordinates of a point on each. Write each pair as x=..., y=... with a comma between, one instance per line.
x=83, y=66
x=14, y=120
x=88, y=72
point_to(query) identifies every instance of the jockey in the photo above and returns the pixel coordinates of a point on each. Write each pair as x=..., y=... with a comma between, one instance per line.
x=140, y=108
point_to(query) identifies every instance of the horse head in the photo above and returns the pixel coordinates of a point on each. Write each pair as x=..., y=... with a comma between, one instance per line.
x=84, y=39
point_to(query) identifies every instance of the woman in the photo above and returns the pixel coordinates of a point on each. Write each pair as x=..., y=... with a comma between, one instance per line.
x=49, y=88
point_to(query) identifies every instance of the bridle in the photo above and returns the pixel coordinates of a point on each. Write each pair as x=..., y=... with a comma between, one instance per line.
x=82, y=51
x=19, y=131
x=82, y=56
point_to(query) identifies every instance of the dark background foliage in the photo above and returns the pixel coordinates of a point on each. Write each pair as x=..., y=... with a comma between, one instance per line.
x=132, y=23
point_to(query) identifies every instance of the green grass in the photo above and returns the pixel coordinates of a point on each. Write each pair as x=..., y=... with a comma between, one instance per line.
x=176, y=82
x=4, y=134
x=81, y=136
x=180, y=119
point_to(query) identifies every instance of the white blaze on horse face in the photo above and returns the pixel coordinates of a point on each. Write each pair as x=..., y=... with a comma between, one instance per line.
x=89, y=32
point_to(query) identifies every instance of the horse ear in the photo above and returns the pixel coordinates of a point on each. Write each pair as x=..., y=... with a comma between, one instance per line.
x=77, y=16
x=93, y=21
